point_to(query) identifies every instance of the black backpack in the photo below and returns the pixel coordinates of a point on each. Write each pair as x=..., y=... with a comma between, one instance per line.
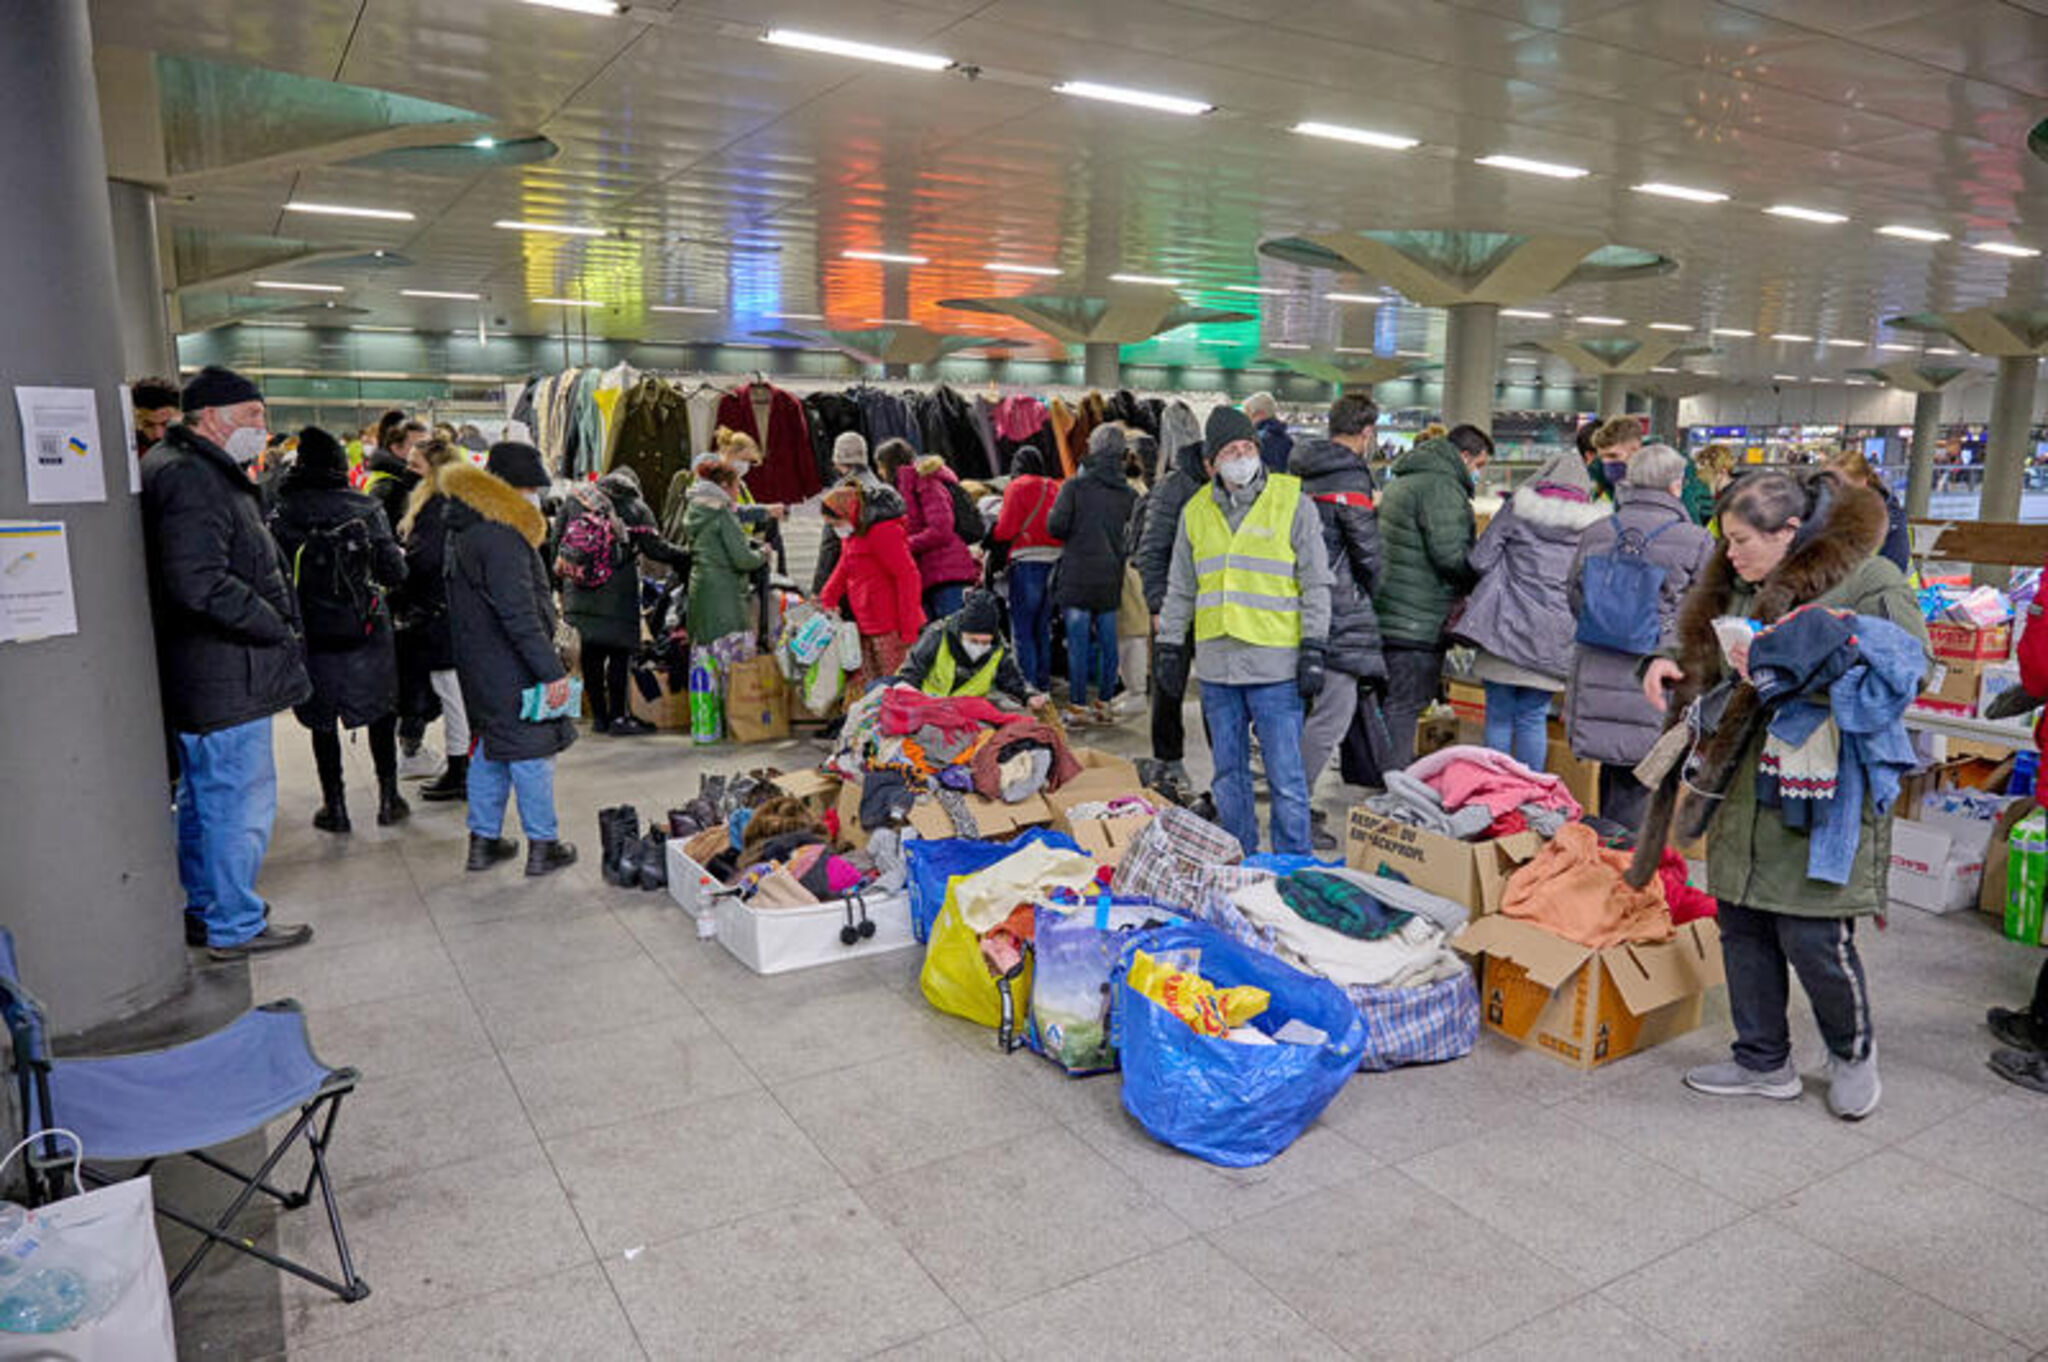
x=331, y=572
x=967, y=521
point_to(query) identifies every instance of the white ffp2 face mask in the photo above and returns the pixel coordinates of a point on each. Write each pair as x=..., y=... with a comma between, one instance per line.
x=245, y=444
x=1239, y=471
x=975, y=651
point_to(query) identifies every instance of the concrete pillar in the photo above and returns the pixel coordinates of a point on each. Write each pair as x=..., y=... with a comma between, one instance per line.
x=147, y=346
x=1920, y=465
x=91, y=888
x=2005, y=447
x=1664, y=421
x=1613, y=395
x=896, y=371
x=1102, y=365
x=1471, y=354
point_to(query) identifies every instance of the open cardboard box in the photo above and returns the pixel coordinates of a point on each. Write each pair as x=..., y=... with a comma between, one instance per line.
x=1937, y=862
x=1103, y=777
x=816, y=790
x=1586, y=1007
x=1472, y=873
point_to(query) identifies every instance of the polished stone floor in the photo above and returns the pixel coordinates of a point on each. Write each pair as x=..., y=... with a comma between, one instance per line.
x=582, y=1133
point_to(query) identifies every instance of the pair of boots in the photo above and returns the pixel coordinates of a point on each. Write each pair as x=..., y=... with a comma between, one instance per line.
x=332, y=815
x=629, y=858
x=452, y=783
x=542, y=858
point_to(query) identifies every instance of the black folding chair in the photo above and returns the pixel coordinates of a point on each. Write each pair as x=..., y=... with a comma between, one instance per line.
x=152, y=1105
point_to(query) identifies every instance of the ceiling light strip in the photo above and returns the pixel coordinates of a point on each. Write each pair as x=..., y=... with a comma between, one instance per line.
x=1799, y=214
x=1364, y=137
x=887, y=257
x=449, y=294
x=1911, y=233
x=859, y=51
x=295, y=286
x=1552, y=169
x=1679, y=191
x=1158, y=279
x=342, y=210
x=556, y=228
x=1007, y=267
x=1140, y=99
x=1362, y=299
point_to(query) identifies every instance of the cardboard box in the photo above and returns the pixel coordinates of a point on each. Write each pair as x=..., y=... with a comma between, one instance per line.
x=850, y=830
x=1580, y=776
x=1937, y=862
x=994, y=820
x=1468, y=702
x=1472, y=873
x=815, y=790
x=1952, y=688
x=670, y=713
x=1991, y=895
x=1103, y=777
x=1586, y=1007
x=1970, y=642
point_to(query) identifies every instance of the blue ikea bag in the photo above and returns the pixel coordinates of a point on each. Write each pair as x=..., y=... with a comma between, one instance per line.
x=931, y=861
x=1221, y=1100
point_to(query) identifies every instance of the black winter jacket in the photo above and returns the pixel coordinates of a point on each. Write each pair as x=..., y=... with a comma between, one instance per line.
x=609, y=615
x=390, y=480
x=1089, y=517
x=1169, y=497
x=420, y=607
x=227, y=624
x=501, y=614
x=354, y=680
x=945, y=633
x=1342, y=488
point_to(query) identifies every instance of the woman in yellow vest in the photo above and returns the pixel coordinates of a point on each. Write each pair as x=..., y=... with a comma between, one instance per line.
x=965, y=654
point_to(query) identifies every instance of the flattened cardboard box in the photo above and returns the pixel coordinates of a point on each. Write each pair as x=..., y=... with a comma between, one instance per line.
x=815, y=790
x=1585, y=1007
x=1103, y=777
x=1472, y=873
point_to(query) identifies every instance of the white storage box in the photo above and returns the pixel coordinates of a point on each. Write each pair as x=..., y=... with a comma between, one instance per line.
x=692, y=887
x=1938, y=862
x=776, y=940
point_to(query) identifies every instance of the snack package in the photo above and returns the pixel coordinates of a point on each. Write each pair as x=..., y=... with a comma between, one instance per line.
x=1207, y=1010
x=2026, y=877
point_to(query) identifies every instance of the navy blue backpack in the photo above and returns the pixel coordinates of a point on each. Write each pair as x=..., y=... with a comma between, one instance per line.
x=1620, y=593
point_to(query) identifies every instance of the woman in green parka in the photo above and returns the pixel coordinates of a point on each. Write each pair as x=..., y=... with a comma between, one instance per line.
x=1788, y=542
x=722, y=563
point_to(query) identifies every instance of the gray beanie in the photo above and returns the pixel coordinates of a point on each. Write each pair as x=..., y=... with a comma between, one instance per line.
x=850, y=450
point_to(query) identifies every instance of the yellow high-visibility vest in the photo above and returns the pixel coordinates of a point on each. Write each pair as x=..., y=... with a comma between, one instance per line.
x=939, y=680
x=1246, y=585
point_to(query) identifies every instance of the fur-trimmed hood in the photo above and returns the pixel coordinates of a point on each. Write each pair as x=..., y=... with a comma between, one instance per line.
x=1556, y=517
x=492, y=498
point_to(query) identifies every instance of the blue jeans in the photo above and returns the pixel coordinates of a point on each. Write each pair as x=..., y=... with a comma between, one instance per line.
x=1518, y=722
x=1091, y=650
x=1031, y=621
x=227, y=798
x=492, y=782
x=1275, y=708
x=941, y=601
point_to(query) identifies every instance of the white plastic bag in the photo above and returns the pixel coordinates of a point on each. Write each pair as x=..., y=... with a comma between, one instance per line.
x=117, y=1225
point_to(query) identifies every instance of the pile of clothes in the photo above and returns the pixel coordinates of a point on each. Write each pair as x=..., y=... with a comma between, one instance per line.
x=1473, y=794
x=1574, y=888
x=1351, y=928
x=775, y=849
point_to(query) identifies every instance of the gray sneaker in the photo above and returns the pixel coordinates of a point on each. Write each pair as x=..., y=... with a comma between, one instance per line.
x=1729, y=1079
x=1853, y=1088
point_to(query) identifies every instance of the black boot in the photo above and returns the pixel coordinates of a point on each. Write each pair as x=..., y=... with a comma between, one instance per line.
x=615, y=827
x=332, y=815
x=452, y=783
x=485, y=852
x=545, y=858
x=391, y=805
x=654, y=859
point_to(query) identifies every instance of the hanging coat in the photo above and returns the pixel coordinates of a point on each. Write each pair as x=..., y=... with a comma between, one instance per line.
x=788, y=471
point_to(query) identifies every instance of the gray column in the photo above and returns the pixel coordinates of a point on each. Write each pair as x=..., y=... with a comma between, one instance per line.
x=146, y=343
x=1920, y=465
x=895, y=371
x=2005, y=447
x=91, y=881
x=1102, y=364
x=1664, y=421
x=1471, y=354
x=1613, y=395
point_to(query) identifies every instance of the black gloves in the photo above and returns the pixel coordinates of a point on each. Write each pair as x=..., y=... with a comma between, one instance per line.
x=1170, y=669
x=1308, y=670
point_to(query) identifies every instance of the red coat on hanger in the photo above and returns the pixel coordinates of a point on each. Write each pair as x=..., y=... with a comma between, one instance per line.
x=789, y=469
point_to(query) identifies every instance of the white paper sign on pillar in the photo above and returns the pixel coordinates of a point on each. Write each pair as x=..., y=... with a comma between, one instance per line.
x=36, y=600
x=60, y=443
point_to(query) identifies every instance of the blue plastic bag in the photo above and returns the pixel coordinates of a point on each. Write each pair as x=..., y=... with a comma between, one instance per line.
x=933, y=861
x=1074, y=955
x=1220, y=1100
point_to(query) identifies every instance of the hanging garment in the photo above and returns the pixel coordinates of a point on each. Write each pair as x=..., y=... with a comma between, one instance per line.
x=653, y=435
x=788, y=471
x=1573, y=887
x=982, y=414
x=1060, y=419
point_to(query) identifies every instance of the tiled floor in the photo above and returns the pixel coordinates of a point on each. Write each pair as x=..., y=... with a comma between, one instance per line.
x=582, y=1133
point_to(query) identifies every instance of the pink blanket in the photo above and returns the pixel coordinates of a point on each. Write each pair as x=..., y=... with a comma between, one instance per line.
x=1480, y=775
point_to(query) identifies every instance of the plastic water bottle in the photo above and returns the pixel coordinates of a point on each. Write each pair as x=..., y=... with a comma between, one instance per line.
x=39, y=1293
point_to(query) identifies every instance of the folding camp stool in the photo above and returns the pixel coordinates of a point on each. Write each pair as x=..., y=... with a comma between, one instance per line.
x=182, y=1101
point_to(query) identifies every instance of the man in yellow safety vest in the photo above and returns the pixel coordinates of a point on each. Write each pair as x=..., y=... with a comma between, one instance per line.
x=965, y=654
x=1251, y=576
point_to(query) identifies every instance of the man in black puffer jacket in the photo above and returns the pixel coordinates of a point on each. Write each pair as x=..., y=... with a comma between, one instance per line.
x=1333, y=474
x=229, y=655
x=1154, y=559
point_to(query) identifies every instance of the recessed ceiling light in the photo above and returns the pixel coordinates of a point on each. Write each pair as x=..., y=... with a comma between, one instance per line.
x=1004, y=267
x=1528, y=313
x=1854, y=383
x=606, y=8
x=1386, y=141
x=558, y=228
x=1529, y=167
x=342, y=210
x=1602, y=321
x=1287, y=345
x=1356, y=350
x=277, y=326
x=484, y=143
x=843, y=47
x=1363, y=299
x=1412, y=354
x=365, y=326
x=1523, y=359
x=1784, y=378
x=1847, y=344
x=568, y=302
x=293, y=286
x=1896, y=347
x=677, y=307
x=1662, y=369
x=1911, y=233
x=890, y=321
x=1944, y=351
x=2004, y=248
x=1159, y=279
x=382, y=373
x=1216, y=340
x=1143, y=99
x=1793, y=210
x=1790, y=337
x=887, y=257
x=1669, y=326
x=794, y=317
x=1679, y=191
x=440, y=293
x=1260, y=289
x=1735, y=331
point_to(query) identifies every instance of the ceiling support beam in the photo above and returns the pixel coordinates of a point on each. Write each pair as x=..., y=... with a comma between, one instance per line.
x=1471, y=353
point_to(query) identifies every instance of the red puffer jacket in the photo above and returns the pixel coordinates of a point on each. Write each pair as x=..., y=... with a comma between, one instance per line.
x=879, y=577
x=1027, y=503
x=2032, y=655
x=942, y=555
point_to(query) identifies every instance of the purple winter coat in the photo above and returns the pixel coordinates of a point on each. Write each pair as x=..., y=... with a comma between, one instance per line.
x=942, y=555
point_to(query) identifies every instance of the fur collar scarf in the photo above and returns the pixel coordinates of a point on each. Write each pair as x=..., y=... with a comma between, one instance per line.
x=1847, y=526
x=1561, y=514
x=494, y=499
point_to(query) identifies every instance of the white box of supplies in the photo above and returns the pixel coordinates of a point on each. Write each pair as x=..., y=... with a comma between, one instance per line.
x=693, y=888
x=777, y=940
x=1937, y=862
